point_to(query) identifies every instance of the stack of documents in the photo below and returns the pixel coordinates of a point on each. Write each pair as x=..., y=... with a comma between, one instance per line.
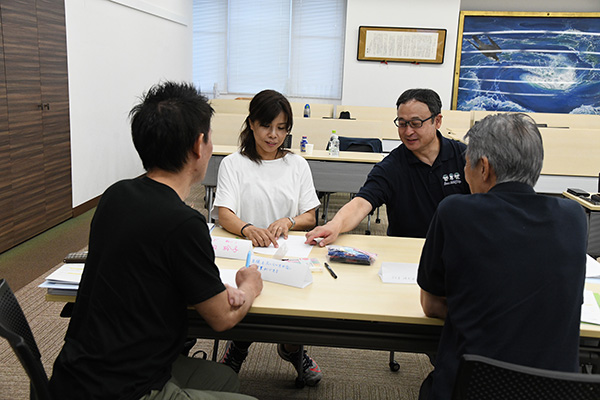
x=65, y=280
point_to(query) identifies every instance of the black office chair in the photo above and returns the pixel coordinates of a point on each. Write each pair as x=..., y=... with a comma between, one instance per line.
x=15, y=328
x=482, y=378
x=365, y=145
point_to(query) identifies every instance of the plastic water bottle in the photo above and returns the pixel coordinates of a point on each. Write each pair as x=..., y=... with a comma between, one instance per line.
x=334, y=145
x=303, y=144
x=307, y=111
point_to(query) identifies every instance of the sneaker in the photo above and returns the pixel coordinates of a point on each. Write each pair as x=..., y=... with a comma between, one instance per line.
x=311, y=373
x=233, y=357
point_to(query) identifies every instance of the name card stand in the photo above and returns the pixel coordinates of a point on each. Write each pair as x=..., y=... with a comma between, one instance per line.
x=236, y=249
x=289, y=273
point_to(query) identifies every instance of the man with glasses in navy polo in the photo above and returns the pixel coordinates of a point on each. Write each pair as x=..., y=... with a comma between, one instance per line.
x=412, y=179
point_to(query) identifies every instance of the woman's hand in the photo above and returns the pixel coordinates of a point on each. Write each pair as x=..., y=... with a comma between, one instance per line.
x=232, y=223
x=280, y=227
x=260, y=237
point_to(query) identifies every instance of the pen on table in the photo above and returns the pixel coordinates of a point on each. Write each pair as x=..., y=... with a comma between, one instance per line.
x=248, y=258
x=330, y=271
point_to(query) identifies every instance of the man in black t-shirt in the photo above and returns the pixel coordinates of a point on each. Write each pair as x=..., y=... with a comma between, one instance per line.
x=150, y=257
x=505, y=267
x=412, y=179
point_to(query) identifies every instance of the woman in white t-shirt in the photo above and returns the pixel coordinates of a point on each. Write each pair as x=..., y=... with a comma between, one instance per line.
x=264, y=191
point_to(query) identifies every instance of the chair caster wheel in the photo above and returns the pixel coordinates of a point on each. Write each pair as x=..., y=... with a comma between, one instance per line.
x=299, y=383
x=367, y=232
x=394, y=366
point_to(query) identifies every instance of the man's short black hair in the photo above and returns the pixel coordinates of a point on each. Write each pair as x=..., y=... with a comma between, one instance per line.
x=427, y=96
x=166, y=124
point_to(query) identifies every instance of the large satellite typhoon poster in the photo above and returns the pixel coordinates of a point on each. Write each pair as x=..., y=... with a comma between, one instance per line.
x=528, y=62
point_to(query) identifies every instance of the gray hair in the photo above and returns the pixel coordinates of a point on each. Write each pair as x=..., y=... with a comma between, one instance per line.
x=513, y=145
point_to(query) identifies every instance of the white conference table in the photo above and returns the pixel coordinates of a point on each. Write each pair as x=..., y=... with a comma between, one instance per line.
x=356, y=310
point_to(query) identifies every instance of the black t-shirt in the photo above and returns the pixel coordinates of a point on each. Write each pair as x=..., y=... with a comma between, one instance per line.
x=150, y=256
x=411, y=189
x=511, y=264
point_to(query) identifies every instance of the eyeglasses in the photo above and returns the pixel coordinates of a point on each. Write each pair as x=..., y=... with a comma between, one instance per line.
x=414, y=123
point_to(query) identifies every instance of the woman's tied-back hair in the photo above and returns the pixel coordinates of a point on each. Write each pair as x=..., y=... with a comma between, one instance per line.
x=166, y=124
x=264, y=108
x=513, y=145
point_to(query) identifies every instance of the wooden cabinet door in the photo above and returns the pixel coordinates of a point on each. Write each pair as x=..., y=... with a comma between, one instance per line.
x=6, y=211
x=55, y=110
x=36, y=98
x=22, y=66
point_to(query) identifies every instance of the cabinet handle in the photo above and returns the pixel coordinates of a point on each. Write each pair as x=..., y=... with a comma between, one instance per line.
x=44, y=106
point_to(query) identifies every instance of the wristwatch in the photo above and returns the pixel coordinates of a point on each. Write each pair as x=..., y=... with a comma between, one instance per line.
x=292, y=221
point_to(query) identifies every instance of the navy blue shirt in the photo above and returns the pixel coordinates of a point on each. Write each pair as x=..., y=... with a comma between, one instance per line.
x=511, y=265
x=411, y=189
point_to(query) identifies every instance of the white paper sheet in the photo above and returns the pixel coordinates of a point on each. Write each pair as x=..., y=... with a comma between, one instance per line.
x=590, y=311
x=295, y=247
x=592, y=267
x=54, y=285
x=228, y=276
x=398, y=272
x=67, y=273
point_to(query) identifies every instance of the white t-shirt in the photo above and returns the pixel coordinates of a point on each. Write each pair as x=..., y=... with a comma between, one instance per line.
x=263, y=193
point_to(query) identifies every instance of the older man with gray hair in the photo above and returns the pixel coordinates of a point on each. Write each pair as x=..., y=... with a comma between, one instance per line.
x=504, y=266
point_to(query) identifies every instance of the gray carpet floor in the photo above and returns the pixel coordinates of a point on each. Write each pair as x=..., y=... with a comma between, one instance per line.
x=348, y=373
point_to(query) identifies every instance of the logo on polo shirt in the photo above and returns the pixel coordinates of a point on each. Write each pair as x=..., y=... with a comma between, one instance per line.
x=453, y=178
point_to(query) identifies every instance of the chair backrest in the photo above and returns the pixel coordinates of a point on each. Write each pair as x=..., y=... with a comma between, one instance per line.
x=367, y=145
x=483, y=378
x=15, y=328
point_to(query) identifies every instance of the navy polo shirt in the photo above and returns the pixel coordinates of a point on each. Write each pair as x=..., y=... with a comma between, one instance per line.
x=411, y=189
x=511, y=265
